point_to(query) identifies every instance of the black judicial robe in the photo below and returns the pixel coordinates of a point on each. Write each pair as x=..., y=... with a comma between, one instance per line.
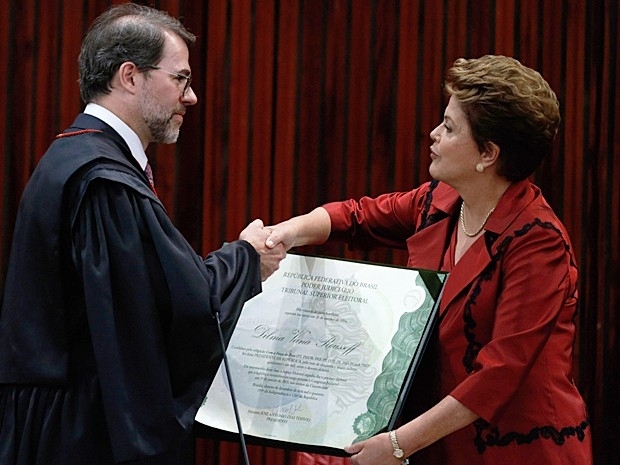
x=107, y=338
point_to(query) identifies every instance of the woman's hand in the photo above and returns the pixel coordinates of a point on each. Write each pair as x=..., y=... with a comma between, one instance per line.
x=308, y=229
x=373, y=451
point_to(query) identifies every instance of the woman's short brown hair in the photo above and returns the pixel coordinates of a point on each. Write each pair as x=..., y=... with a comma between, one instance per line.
x=510, y=105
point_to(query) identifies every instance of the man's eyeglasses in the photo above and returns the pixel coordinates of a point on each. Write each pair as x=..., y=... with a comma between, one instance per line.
x=180, y=77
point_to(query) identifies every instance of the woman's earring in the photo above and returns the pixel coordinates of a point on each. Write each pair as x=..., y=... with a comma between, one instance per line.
x=479, y=167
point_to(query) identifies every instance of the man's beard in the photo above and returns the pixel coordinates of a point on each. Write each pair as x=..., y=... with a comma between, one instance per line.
x=159, y=120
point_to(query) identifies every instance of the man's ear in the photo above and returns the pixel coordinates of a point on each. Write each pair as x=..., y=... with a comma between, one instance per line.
x=127, y=76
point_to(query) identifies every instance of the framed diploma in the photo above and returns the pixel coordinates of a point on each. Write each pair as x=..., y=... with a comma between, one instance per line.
x=325, y=355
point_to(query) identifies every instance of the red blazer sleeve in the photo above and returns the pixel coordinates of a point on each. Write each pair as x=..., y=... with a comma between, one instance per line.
x=386, y=220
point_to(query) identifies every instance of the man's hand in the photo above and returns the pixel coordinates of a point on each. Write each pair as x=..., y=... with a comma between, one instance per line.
x=256, y=234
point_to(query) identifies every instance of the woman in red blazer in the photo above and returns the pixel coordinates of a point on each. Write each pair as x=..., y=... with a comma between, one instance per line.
x=505, y=340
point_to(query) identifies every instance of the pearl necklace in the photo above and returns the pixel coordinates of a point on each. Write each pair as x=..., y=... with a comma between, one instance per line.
x=484, y=222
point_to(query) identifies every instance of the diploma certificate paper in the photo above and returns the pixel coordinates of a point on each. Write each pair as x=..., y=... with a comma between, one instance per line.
x=324, y=356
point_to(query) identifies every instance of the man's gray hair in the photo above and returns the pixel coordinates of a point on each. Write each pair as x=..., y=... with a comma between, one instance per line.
x=127, y=32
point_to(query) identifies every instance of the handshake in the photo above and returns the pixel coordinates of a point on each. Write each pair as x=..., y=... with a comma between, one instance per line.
x=272, y=242
x=270, y=256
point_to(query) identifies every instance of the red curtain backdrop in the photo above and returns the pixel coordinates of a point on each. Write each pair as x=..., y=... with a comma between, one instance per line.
x=306, y=101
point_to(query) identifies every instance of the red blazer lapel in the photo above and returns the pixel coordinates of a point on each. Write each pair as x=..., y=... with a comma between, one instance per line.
x=469, y=268
x=423, y=253
x=424, y=245
x=427, y=247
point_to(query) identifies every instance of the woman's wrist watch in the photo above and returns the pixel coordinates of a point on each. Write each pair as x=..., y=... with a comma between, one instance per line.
x=398, y=452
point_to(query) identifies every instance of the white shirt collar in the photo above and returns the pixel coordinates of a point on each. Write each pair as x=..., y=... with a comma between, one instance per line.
x=128, y=135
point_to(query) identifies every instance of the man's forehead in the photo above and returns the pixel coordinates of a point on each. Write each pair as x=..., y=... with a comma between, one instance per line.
x=175, y=50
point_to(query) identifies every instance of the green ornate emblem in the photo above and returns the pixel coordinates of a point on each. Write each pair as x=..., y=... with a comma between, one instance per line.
x=396, y=364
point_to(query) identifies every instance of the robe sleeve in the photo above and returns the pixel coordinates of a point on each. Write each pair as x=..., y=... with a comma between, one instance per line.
x=148, y=299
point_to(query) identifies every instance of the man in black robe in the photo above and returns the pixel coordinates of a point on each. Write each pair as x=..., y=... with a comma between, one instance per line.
x=108, y=341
